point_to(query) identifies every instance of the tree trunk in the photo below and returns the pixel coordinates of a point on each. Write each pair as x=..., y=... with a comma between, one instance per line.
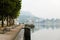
x=10, y=21
x=13, y=21
x=7, y=20
x=2, y=21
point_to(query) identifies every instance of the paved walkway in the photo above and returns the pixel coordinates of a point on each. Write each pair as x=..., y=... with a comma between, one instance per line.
x=12, y=34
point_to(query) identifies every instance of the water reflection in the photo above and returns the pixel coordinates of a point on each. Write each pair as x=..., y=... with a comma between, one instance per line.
x=44, y=26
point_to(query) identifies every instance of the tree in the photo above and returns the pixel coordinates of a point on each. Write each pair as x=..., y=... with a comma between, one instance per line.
x=9, y=9
x=15, y=13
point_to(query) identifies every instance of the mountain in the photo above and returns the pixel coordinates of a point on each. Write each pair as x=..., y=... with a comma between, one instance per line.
x=24, y=16
x=26, y=13
x=39, y=22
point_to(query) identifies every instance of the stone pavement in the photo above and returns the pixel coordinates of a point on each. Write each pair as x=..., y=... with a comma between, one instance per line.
x=12, y=34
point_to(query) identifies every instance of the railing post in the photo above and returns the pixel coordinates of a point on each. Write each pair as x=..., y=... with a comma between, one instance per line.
x=27, y=34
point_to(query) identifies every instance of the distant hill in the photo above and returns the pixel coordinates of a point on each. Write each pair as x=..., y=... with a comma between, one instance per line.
x=24, y=15
x=39, y=22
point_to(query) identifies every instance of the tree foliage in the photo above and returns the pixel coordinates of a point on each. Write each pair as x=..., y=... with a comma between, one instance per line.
x=9, y=8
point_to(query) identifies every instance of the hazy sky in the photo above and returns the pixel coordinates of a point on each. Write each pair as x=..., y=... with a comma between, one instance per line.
x=42, y=8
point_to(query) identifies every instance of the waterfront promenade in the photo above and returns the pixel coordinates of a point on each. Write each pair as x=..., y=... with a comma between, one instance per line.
x=11, y=35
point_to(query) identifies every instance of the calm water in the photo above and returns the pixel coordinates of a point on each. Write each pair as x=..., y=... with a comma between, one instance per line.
x=36, y=29
x=45, y=32
x=42, y=26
